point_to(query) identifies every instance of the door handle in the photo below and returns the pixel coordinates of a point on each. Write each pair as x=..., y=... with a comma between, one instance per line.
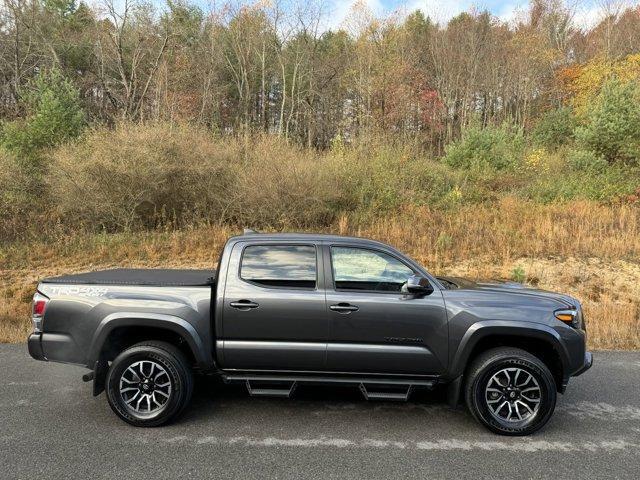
x=344, y=308
x=244, y=304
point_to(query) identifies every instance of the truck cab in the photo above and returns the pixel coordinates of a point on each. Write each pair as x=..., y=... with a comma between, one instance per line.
x=326, y=304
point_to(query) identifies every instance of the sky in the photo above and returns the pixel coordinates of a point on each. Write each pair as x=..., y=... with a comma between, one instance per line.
x=441, y=10
x=586, y=12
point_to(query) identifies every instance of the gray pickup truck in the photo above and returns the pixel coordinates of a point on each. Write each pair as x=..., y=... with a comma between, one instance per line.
x=289, y=309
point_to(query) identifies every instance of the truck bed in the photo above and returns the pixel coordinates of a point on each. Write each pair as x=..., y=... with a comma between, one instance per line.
x=140, y=276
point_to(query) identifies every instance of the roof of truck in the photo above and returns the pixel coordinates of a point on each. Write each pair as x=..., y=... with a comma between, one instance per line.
x=305, y=236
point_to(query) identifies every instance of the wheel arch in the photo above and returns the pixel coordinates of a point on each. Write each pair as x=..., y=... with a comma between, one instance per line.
x=124, y=329
x=537, y=339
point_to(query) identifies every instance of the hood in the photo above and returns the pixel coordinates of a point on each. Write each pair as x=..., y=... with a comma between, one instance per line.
x=506, y=287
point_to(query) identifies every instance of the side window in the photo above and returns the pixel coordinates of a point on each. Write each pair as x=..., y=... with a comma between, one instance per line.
x=280, y=265
x=361, y=269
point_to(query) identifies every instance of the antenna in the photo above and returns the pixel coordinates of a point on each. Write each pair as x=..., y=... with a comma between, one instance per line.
x=249, y=231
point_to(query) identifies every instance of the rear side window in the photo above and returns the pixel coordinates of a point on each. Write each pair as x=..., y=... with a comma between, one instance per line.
x=280, y=265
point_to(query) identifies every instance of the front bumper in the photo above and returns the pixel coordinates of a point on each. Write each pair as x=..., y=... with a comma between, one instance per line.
x=583, y=367
x=34, y=344
x=588, y=361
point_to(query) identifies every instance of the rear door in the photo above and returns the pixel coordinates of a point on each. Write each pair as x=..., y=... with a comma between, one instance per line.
x=274, y=313
x=373, y=326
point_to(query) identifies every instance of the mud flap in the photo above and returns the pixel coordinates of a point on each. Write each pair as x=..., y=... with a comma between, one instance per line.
x=453, y=392
x=100, y=369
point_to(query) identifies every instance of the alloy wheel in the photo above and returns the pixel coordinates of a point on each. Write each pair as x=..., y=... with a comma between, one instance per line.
x=513, y=395
x=145, y=387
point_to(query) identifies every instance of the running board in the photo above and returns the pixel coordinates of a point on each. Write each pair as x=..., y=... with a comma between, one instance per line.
x=266, y=384
x=270, y=390
x=397, y=394
x=384, y=382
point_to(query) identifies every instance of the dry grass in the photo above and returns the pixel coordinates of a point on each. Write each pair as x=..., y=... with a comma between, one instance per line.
x=582, y=248
x=141, y=176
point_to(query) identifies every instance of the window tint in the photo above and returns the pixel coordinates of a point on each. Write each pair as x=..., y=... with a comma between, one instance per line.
x=280, y=265
x=360, y=269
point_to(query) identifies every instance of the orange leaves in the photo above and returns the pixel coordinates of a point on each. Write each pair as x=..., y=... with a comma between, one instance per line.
x=582, y=83
x=432, y=108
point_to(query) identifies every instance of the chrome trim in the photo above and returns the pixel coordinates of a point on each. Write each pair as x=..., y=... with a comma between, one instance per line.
x=272, y=345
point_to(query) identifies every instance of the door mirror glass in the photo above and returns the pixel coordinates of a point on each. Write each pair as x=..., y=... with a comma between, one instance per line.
x=418, y=285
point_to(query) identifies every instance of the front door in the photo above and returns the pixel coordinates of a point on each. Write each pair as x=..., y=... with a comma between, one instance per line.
x=373, y=326
x=274, y=314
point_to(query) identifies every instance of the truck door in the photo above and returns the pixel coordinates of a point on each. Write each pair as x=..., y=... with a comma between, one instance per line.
x=375, y=328
x=274, y=313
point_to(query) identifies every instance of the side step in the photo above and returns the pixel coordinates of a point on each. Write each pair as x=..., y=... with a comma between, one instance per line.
x=397, y=393
x=372, y=387
x=258, y=388
x=355, y=380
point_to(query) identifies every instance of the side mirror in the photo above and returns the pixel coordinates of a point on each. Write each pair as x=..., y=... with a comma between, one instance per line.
x=418, y=285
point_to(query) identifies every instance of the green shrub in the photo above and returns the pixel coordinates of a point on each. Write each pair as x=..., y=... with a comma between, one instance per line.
x=491, y=147
x=379, y=175
x=574, y=183
x=612, y=124
x=518, y=274
x=54, y=115
x=554, y=129
x=586, y=161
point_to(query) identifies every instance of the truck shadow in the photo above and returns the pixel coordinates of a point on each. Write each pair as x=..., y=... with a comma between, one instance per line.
x=211, y=394
x=333, y=409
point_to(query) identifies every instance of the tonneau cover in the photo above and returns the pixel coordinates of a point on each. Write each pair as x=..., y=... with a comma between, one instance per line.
x=140, y=276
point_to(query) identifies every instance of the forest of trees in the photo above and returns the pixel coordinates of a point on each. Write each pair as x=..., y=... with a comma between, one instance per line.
x=272, y=66
x=129, y=115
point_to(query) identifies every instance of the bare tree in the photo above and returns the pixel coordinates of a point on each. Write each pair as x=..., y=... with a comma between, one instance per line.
x=129, y=51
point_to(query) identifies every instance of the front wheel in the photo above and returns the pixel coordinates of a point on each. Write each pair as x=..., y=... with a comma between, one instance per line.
x=510, y=391
x=149, y=384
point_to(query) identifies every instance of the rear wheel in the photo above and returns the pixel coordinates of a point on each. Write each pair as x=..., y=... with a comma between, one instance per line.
x=149, y=384
x=510, y=391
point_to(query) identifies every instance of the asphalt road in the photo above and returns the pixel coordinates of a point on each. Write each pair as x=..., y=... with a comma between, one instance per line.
x=51, y=427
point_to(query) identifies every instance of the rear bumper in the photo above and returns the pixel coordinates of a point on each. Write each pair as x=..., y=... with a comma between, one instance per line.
x=34, y=344
x=54, y=347
x=588, y=361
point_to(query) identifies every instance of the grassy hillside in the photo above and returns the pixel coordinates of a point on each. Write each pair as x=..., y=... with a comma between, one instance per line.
x=581, y=248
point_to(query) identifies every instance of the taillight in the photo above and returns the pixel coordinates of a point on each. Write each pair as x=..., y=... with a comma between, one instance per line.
x=38, y=308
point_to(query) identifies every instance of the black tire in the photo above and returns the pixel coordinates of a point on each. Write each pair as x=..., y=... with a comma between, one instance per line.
x=163, y=357
x=488, y=369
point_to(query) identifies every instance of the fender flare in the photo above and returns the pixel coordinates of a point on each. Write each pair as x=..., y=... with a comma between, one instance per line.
x=172, y=323
x=488, y=328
